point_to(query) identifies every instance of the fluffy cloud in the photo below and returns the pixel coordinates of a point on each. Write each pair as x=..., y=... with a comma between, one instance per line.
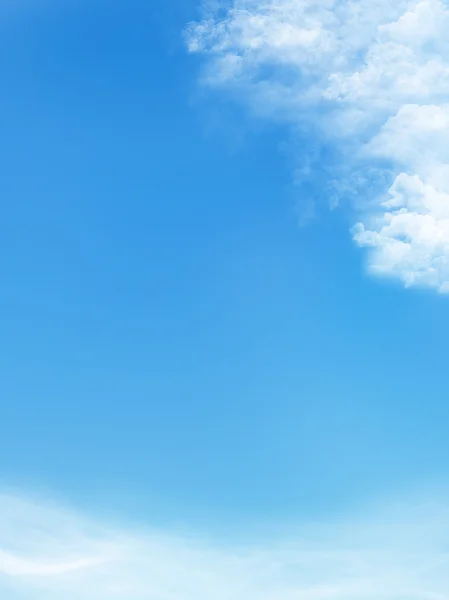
x=47, y=552
x=372, y=77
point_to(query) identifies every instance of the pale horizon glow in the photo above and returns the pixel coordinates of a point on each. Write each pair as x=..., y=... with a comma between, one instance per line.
x=47, y=551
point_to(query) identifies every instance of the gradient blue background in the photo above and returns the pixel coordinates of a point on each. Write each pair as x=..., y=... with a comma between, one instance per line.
x=174, y=345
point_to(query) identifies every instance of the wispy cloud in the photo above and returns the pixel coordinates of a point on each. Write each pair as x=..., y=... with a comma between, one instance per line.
x=49, y=552
x=371, y=78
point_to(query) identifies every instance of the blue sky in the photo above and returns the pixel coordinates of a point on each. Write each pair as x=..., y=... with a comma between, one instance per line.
x=192, y=337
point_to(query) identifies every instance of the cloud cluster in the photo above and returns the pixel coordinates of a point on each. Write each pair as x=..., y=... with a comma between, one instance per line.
x=372, y=76
x=47, y=552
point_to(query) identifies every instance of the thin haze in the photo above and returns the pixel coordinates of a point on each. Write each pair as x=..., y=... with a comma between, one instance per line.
x=51, y=552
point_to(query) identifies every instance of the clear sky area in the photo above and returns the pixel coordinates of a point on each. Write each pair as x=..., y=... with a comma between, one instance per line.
x=224, y=276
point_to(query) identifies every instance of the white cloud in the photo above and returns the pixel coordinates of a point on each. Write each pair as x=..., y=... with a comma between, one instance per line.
x=373, y=78
x=47, y=552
